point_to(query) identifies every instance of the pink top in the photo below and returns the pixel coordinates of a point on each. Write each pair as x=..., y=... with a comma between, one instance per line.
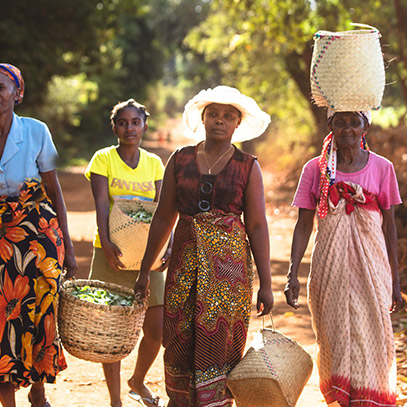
x=377, y=177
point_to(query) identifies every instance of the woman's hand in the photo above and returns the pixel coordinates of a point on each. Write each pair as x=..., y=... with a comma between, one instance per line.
x=390, y=236
x=70, y=265
x=397, y=299
x=292, y=291
x=142, y=284
x=113, y=254
x=265, y=301
x=165, y=260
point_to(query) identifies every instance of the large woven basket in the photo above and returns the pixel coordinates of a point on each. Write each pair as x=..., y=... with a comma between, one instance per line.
x=96, y=332
x=272, y=373
x=130, y=235
x=347, y=70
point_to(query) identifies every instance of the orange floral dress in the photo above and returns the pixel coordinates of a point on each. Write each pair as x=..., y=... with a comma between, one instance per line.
x=31, y=261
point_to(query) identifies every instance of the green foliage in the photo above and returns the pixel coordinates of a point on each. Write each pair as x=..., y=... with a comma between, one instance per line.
x=264, y=48
x=67, y=98
x=35, y=35
x=79, y=58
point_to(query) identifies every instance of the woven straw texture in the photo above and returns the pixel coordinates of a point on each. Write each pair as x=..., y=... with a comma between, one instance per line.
x=347, y=70
x=130, y=235
x=272, y=373
x=97, y=332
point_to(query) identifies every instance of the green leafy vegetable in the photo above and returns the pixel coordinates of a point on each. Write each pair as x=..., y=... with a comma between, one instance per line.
x=100, y=296
x=141, y=215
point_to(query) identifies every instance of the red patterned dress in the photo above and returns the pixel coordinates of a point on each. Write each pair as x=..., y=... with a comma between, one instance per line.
x=208, y=293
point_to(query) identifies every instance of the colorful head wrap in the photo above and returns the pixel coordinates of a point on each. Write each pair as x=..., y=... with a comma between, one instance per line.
x=328, y=162
x=14, y=74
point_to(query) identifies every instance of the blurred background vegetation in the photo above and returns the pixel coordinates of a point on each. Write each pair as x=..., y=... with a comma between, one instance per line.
x=80, y=57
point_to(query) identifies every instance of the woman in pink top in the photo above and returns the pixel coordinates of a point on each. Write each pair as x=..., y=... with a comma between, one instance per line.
x=353, y=284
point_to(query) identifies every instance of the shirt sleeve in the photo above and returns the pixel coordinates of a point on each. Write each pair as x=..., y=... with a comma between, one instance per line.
x=306, y=195
x=389, y=190
x=48, y=155
x=97, y=165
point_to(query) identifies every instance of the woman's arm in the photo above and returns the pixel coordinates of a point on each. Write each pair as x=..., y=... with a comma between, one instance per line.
x=167, y=255
x=302, y=232
x=163, y=221
x=53, y=189
x=100, y=191
x=390, y=236
x=158, y=186
x=257, y=232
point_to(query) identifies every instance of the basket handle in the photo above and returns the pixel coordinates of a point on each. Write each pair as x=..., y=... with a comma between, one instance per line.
x=365, y=26
x=273, y=328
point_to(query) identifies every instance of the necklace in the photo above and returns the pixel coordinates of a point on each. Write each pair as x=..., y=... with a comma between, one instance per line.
x=213, y=165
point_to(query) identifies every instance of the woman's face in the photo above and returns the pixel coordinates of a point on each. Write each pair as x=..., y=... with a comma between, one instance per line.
x=8, y=94
x=221, y=121
x=348, y=129
x=130, y=126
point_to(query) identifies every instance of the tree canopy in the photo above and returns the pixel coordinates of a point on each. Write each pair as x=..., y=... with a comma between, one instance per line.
x=81, y=57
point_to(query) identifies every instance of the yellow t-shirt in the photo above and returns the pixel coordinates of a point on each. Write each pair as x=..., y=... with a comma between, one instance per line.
x=124, y=181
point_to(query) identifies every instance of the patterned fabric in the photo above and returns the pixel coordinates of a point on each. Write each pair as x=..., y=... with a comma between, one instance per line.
x=209, y=282
x=207, y=308
x=31, y=259
x=15, y=75
x=327, y=166
x=350, y=292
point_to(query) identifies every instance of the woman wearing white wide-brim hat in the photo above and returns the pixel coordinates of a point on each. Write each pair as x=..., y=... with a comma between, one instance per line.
x=209, y=283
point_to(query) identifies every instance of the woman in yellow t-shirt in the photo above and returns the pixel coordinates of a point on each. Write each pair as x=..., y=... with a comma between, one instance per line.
x=126, y=170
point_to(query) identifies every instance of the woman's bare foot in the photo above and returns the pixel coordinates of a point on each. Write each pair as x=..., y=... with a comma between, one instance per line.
x=36, y=396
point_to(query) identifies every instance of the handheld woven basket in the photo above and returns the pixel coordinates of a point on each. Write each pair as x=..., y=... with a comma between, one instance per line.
x=272, y=373
x=96, y=332
x=130, y=235
x=347, y=70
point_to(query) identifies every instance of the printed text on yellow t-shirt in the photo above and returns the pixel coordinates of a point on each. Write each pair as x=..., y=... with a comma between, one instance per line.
x=132, y=185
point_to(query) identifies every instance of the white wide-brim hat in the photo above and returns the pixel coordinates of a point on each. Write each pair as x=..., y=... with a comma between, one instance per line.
x=254, y=120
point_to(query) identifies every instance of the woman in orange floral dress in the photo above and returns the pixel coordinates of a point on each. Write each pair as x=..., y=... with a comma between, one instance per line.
x=34, y=249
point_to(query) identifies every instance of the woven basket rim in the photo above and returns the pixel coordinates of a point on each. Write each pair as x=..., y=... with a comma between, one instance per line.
x=350, y=33
x=140, y=202
x=138, y=303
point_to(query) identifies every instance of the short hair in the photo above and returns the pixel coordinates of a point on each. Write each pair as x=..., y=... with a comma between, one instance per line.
x=128, y=103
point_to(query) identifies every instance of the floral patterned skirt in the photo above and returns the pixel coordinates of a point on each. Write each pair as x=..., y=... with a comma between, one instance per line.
x=207, y=306
x=31, y=261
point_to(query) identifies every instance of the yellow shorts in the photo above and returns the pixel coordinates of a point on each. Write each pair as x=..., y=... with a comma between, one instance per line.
x=100, y=270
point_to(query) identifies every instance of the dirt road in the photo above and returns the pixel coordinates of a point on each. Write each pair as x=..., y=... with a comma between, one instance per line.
x=83, y=385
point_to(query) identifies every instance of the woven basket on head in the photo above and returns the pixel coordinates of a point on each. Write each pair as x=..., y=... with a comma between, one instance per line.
x=347, y=70
x=97, y=332
x=130, y=235
x=272, y=373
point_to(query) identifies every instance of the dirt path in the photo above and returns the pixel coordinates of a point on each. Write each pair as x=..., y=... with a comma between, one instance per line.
x=83, y=385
